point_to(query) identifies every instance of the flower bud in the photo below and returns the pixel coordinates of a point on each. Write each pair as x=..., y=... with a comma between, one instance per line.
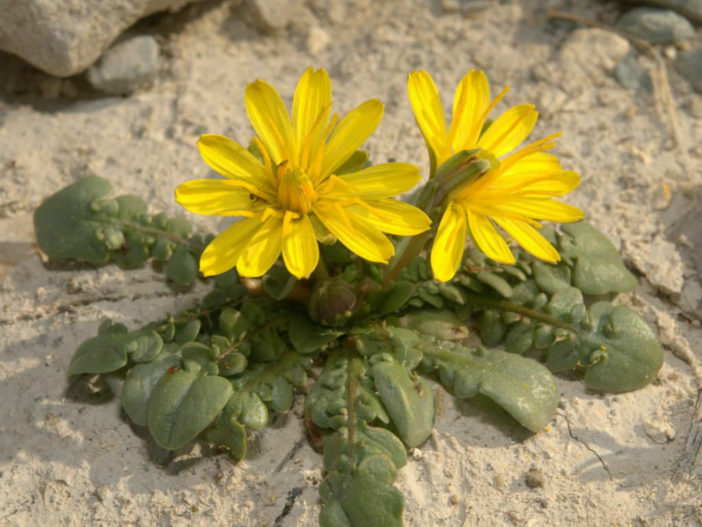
x=332, y=302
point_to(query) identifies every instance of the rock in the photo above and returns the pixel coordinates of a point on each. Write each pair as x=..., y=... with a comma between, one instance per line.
x=659, y=431
x=64, y=37
x=632, y=75
x=269, y=16
x=689, y=65
x=317, y=40
x=690, y=9
x=657, y=26
x=126, y=67
x=534, y=478
x=588, y=54
x=659, y=261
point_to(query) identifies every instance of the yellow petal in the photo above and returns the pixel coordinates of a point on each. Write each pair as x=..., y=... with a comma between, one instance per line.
x=356, y=234
x=541, y=209
x=227, y=157
x=383, y=181
x=428, y=111
x=553, y=183
x=217, y=197
x=262, y=249
x=393, y=217
x=270, y=119
x=509, y=130
x=311, y=106
x=449, y=243
x=487, y=238
x=300, y=249
x=530, y=239
x=469, y=104
x=350, y=133
x=223, y=252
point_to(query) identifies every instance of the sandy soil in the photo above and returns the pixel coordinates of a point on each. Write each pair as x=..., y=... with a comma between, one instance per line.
x=68, y=456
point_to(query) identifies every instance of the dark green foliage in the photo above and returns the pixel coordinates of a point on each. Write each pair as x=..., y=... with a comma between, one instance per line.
x=81, y=223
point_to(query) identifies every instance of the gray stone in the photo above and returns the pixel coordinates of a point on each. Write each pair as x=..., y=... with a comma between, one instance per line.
x=64, y=37
x=632, y=75
x=689, y=65
x=690, y=9
x=126, y=66
x=657, y=26
x=590, y=52
x=270, y=16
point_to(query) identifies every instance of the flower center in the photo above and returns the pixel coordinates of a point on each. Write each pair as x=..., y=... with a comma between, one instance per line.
x=295, y=190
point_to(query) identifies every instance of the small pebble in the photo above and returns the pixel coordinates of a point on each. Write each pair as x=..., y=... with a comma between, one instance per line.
x=534, y=478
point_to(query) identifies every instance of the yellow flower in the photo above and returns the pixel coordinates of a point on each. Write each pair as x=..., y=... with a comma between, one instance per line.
x=296, y=196
x=514, y=194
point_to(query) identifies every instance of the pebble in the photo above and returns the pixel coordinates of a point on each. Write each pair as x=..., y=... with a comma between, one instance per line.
x=534, y=478
x=593, y=49
x=657, y=26
x=659, y=432
x=317, y=40
x=269, y=16
x=126, y=66
x=632, y=75
x=689, y=65
x=690, y=9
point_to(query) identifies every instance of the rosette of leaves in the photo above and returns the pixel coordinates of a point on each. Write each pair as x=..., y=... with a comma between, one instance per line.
x=82, y=223
x=361, y=350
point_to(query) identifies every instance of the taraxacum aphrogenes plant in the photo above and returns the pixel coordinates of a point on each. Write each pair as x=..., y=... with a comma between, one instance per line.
x=351, y=319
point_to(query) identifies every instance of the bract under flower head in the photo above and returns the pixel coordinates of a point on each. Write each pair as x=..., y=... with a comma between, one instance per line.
x=292, y=197
x=514, y=194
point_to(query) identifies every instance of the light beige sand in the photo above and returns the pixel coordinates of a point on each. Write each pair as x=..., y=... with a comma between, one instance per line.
x=69, y=457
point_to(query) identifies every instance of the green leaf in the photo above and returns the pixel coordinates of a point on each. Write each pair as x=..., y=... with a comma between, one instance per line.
x=130, y=207
x=551, y=278
x=101, y=354
x=187, y=331
x=307, y=337
x=622, y=353
x=363, y=502
x=394, y=297
x=182, y=267
x=139, y=385
x=520, y=385
x=183, y=404
x=598, y=266
x=229, y=433
x=444, y=325
x=144, y=345
x=67, y=228
x=410, y=402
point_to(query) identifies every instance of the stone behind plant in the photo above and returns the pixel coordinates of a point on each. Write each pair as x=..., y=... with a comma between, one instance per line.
x=127, y=66
x=64, y=37
x=657, y=26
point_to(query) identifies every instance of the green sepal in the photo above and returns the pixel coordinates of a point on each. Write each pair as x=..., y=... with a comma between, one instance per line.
x=183, y=404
